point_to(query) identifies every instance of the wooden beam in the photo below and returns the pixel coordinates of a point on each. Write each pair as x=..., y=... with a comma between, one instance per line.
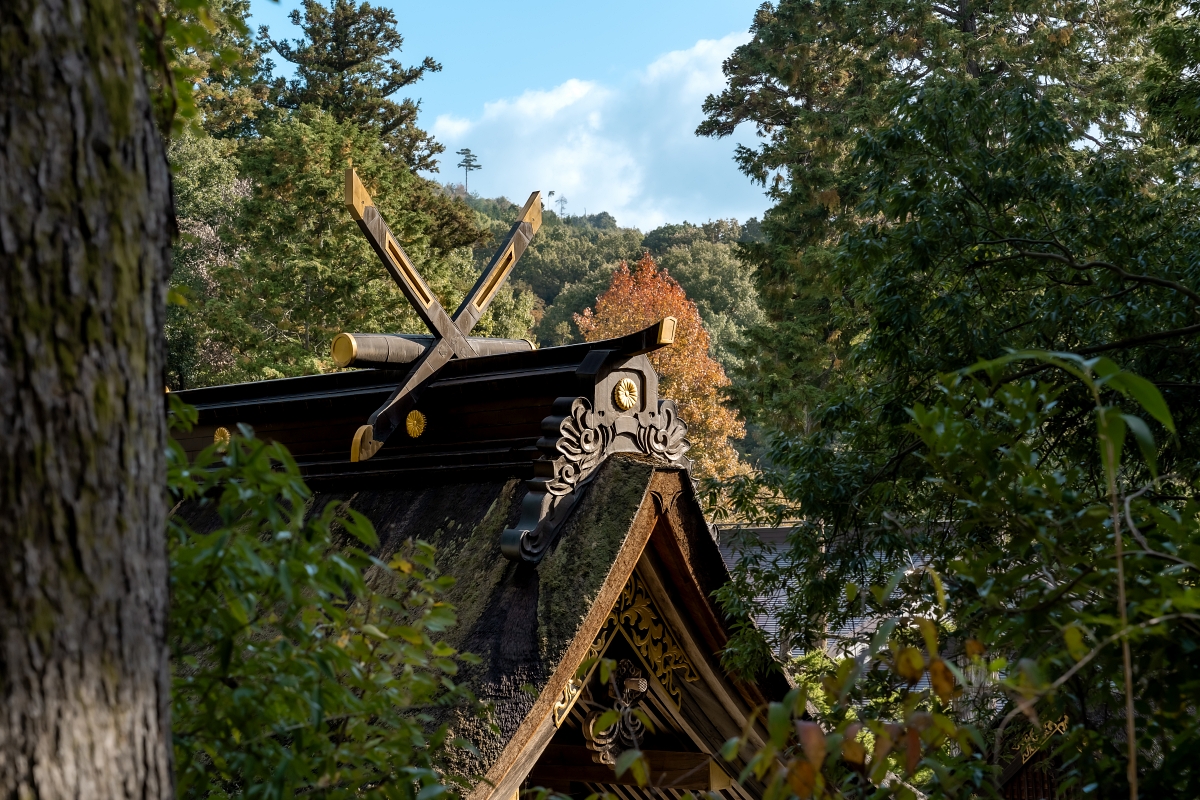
x=561, y=765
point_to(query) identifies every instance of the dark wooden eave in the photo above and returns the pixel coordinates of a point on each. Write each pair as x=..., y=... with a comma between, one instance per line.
x=483, y=415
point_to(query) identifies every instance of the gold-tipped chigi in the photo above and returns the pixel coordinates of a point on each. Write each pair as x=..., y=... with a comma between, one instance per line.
x=449, y=338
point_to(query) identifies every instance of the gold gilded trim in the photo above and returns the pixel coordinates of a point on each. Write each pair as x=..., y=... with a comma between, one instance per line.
x=221, y=437
x=344, y=349
x=636, y=617
x=643, y=626
x=625, y=394
x=666, y=330
x=1035, y=738
x=570, y=693
x=414, y=423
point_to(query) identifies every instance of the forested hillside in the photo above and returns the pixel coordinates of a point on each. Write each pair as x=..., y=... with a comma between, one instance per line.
x=269, y=268
x=572, y=259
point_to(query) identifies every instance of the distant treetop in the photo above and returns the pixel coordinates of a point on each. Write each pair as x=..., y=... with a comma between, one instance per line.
x=344, y=65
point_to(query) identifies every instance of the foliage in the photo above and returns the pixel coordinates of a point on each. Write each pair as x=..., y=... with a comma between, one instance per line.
x=815, y=78
x=292, y=269
x=301, y=664
x=571, y=261
x=724, y=293
x=1030, y=574
x=638, y=299
x=344, y=65
x=201, y=64
x=954, y=183
x=269, y=266
x=208, y=197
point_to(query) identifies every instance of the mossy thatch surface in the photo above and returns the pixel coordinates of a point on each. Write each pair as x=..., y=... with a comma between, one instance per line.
x=518, y=618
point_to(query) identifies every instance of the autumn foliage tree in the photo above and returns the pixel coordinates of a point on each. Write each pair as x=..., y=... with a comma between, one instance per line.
x=639, y=298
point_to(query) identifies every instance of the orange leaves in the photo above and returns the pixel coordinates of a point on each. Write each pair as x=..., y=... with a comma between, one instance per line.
x=942, y=679
x=802, y=777
x=853, y=751
x=812, y=739
x=639, y=298
x=802, y=773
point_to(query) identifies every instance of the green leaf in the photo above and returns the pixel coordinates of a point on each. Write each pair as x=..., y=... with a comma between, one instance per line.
x=371, y=630
x=880, y=639
x=633, y=760
x=1145, y=439
x=779, y=723
x=432, y=791
x=605, y=721
x=1073, y=635
x=644, y=719
x=729, y=750
x=892, y=583
x=937, y=586
x=1147, y=395
x=1110, y=429
x=176, y=296
x=360, y=528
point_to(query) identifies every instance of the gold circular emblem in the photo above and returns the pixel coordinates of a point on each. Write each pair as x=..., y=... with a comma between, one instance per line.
x=414, y=423
x=344, y=349
x=625, y=395
x=221, y=437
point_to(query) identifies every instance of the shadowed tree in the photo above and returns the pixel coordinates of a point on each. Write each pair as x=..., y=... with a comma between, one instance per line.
x=85, y=226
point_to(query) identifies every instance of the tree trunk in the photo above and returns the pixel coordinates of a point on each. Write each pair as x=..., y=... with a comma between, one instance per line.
x=85, y=223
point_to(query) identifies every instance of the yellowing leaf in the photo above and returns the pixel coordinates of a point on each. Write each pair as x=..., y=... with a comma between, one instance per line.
x=975, y=648
x=1073, y=634
x=942, y=680
x=910, y=664
x=801, y=777
x=929, y=632
x=853, y=751
x=812, y=739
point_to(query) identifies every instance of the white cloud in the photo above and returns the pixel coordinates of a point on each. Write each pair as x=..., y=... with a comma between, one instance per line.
x=629, y=149
x=448, y=126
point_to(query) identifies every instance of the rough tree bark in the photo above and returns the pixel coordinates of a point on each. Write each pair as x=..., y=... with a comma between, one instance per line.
x=85, y=219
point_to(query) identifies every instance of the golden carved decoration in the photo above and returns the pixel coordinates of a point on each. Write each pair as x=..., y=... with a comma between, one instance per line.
x=625, y=395
x=221, y=437
x=570, y=693
x=1034, y=738
x=414, y=423
x=635, y=616
x=642, y=625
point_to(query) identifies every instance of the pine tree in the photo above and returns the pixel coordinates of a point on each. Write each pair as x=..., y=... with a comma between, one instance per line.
x=299, y=270
x=468, y=165
x=344, y=65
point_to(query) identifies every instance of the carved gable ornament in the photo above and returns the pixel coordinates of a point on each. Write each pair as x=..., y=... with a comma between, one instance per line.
x=635, y=617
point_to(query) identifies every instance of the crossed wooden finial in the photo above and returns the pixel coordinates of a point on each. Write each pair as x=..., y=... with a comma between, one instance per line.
x=450, y=334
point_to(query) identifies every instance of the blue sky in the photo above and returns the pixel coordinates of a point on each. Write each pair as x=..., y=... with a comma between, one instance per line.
x=597, y=101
